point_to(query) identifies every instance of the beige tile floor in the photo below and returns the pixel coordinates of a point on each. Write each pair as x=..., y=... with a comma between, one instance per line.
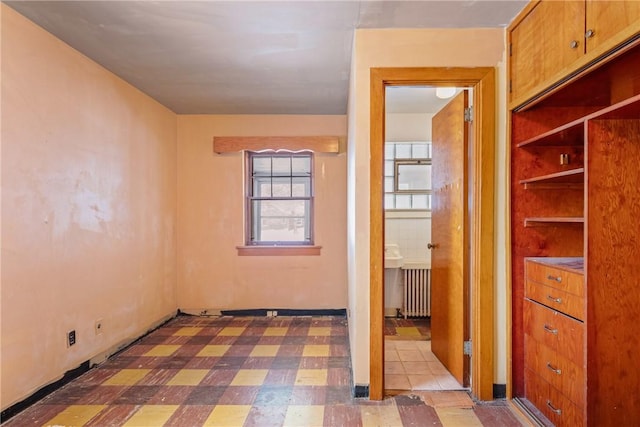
x=410, y=365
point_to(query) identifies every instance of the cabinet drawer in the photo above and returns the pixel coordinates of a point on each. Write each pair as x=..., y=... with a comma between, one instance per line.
x=561, y=411
x=555, y=330
x=556, y=278
x=558, y=409
x=556, y=299
x=557, y=370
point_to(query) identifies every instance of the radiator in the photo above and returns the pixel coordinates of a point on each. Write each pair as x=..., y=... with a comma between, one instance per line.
x=417, y=292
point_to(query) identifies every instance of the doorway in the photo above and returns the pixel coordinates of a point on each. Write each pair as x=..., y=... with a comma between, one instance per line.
x=425, y=137
x=481, y=192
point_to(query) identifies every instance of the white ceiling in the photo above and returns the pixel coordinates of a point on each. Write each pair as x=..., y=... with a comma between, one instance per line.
x=413, y=99
x=244, y=57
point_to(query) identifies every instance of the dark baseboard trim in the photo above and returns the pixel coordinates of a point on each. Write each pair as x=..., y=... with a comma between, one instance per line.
x=361, y=391
x=68, y=376
x=285, y=312
x=45, y=391
x=499, y=391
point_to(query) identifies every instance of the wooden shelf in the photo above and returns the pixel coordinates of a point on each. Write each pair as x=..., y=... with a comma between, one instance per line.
x=570, y=134
x=627, y=109
x=550, y=221
x=568, y=179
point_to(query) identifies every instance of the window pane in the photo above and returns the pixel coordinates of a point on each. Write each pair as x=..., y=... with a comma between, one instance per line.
x=388, y=168
x=403, y=201
x=281, y=221
x=420, y=201
x=414, y=177
x=281, y=187
x=301, y=165
x=389, y=150
x=420, y=151
x=388, y=184
x=301, y=187
x=403, y=151
x=389, y=201
x=262, y=165
x=282, y=166
x=262, y=187
x=280, y=176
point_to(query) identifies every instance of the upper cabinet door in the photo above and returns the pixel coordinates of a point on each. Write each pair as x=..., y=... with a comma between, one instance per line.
x=607, y=19
x=546, y=41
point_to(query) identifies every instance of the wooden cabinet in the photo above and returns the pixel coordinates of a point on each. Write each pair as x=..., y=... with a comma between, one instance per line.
x=540, y=44
x=553, y=38
x=605, y=20
x=575, y=236
x=555, y=339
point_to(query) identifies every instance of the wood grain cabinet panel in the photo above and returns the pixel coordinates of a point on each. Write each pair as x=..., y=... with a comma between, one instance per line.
x=557, y=331
x=561, y=373
x=606, y=19
x=553, y=38
x=561, y=411
x=541, y=44
x=549, y=272
x=555, y=299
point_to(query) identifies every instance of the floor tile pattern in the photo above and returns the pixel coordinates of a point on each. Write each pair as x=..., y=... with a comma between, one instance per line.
x=417, y=328
x=410, y=365
x=239, y=371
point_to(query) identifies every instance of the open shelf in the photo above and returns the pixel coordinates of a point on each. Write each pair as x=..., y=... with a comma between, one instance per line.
x=553, y=220
x=570, y=134
x=568, y=179
x=627, y=109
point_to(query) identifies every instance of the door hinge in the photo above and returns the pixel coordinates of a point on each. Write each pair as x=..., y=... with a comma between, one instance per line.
x=510, y=49
x=468, y=114
x=510, y=86
x=466, y=348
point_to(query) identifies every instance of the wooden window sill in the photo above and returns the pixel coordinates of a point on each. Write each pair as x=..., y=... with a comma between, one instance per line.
x=278, y=250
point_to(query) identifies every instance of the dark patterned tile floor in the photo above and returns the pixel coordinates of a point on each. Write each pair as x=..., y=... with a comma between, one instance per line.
x=241, y=371
x=412, y=328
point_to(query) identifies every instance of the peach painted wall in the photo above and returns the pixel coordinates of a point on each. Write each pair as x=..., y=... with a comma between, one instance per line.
x=408, y=48
x=88, y=209
x=211, y=275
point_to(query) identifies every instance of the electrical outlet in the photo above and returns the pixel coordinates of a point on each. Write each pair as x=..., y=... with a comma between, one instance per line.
x=71, y=338
x=99, y=326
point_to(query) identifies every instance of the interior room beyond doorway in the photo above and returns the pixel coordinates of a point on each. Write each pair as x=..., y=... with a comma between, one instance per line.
x=409, y=362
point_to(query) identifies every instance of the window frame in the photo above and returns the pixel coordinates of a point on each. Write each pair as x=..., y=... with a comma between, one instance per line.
x=249, y=198
x=397, y=163
x=407, y=158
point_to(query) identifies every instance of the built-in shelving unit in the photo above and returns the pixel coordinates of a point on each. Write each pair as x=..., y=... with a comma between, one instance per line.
x=575, y=197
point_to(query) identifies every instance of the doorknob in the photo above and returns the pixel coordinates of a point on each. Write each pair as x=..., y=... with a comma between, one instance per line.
x=432, y=245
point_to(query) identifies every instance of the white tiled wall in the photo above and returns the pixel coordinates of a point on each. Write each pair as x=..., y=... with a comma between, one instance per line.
x=411, y=231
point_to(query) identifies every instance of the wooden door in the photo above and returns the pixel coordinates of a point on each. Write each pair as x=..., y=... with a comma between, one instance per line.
x=606, y=19
x=449, y=231
x=542, y=44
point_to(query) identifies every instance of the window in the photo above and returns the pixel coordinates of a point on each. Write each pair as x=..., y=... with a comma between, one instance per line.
x=279, y=198
x=407, y=176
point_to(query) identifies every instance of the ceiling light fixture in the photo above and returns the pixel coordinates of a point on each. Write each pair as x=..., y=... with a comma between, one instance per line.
x=445, y=92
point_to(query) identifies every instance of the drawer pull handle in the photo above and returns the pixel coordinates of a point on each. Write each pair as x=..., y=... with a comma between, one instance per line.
x=556, y=300
x=557, y=371
x=550, y=330
x=555, y=278
x=556, y=410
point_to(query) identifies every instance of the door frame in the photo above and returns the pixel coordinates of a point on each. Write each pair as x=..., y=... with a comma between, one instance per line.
x=481, y=214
